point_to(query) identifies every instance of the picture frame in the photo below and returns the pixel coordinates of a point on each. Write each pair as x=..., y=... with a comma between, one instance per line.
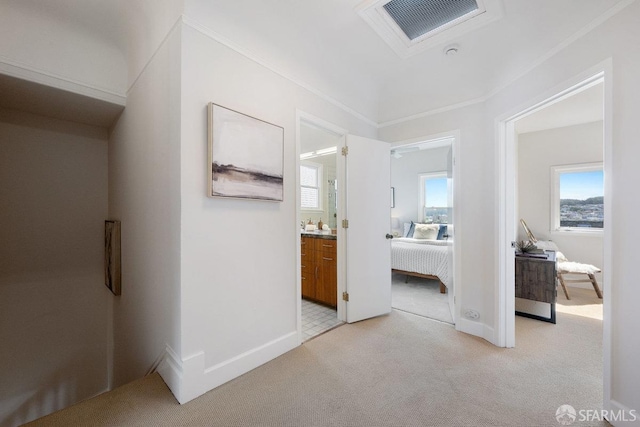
x=245, y=156
x=393, y=197
x=112, y=257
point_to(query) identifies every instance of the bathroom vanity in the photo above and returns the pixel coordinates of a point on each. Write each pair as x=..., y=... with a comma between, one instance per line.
x=319, y=268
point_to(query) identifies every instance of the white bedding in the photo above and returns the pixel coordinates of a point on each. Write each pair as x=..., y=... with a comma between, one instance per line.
x=421, y=256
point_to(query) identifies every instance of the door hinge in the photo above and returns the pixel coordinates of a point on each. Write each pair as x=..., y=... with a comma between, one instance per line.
x=345, y=151
x=345, y=296
x=345, y=223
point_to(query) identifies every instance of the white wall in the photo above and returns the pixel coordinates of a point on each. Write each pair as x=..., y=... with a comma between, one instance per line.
x=238, y=260
x=144, y=194
x=538, y=152
x=404, y=178
x=53, y=302
x=38, y=42
x=615, y=39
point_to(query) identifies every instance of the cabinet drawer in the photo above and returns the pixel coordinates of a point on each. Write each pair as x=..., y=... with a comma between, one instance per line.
x=326, y=246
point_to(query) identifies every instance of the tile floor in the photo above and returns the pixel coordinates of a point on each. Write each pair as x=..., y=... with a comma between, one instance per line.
x=317, y=319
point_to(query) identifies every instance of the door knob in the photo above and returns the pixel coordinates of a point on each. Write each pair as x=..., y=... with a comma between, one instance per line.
x=389, y=236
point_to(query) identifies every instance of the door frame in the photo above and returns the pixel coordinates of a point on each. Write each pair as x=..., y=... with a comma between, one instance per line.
x=310, y=119
x=456, y=292
x=507, y=221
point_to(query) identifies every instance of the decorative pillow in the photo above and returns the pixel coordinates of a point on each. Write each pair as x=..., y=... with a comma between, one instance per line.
x=442, y=231
x=407, y=226
x=411, y=229
x=426, y=231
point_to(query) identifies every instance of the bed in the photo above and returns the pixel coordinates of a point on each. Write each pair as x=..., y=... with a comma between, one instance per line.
x=426, y=258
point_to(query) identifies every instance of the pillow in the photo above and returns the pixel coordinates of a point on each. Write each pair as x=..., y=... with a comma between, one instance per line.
x=426, y=231
x=411, y=229
x=407, y=226
x=442, y=231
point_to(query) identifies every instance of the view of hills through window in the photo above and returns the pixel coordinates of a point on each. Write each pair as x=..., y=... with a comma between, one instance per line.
x=582, y=199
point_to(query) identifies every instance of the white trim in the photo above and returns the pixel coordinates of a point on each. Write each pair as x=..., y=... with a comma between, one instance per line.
x=619, y=408
x=434, y=112
x=208, y=32
x=188, y=378
x=25, y=72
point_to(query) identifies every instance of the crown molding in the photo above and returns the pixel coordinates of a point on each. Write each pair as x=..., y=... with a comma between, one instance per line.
x=558, y=48
x=203, y=29
x=25, y=72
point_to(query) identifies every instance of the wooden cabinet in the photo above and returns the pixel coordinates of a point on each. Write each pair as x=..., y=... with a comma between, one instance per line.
x=536, y=280
x=319, y=270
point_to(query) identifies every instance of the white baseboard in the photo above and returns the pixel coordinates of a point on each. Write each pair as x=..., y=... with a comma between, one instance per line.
x=626, y=416
x=477, y=329
x=188, y=378
x=470, y=327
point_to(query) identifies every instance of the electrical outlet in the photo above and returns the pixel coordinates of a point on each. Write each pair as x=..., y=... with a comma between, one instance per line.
x=471, y=314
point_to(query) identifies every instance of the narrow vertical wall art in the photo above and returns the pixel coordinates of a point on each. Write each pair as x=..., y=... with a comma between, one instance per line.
x=112, y=270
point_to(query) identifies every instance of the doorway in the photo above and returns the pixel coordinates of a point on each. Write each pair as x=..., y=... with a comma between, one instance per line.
x=362, y=182
x=318, y=227
x=424, y=266
x=509, y=213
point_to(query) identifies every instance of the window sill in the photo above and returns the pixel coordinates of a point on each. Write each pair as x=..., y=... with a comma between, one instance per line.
x=578, y=232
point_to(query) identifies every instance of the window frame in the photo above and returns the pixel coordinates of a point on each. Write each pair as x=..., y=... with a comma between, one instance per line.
x=320, y=174
x=556, y=171
x=422, y=179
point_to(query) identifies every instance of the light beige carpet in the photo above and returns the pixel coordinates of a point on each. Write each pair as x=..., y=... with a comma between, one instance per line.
x=420, y=296
x=395, y=370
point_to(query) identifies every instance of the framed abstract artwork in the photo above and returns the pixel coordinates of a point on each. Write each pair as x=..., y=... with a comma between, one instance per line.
x=245, y=156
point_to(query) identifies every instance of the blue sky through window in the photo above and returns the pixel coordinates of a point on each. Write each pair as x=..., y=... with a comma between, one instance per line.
x=581, y=185
x=435, y=192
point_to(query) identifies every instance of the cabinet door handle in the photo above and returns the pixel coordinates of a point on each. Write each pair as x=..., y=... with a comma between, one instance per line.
x=327, y=259
x=316, y=272
x=327, y=246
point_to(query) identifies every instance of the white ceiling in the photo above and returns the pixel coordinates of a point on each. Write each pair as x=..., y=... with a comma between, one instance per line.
x=328, y=40
x=584, y=107
x=328, y=46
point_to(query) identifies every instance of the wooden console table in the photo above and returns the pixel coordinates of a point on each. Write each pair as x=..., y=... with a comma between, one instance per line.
x=536, y=280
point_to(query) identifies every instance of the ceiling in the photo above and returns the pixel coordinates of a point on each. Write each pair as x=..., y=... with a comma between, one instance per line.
x=584, y=107
x=329, y=40
x=328, y=46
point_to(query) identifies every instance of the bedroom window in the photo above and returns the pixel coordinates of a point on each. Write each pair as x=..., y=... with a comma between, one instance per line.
x=433, y=204
x=310, y=179
x=577, y=203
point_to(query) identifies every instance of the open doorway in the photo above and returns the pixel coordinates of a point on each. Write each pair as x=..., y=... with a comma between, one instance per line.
x=560, y=197
x=422, y=218
x=318, y=228
x=558, y=231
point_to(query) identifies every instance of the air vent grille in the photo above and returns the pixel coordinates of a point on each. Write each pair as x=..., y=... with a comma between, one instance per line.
x=418, y=17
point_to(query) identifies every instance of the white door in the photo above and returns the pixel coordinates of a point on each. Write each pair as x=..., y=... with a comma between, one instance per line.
x=368, y=210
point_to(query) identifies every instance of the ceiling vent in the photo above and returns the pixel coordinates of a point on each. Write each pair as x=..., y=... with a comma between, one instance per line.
x=412, y=26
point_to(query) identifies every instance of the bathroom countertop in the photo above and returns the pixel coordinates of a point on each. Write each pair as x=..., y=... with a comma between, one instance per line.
x=318, y=235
